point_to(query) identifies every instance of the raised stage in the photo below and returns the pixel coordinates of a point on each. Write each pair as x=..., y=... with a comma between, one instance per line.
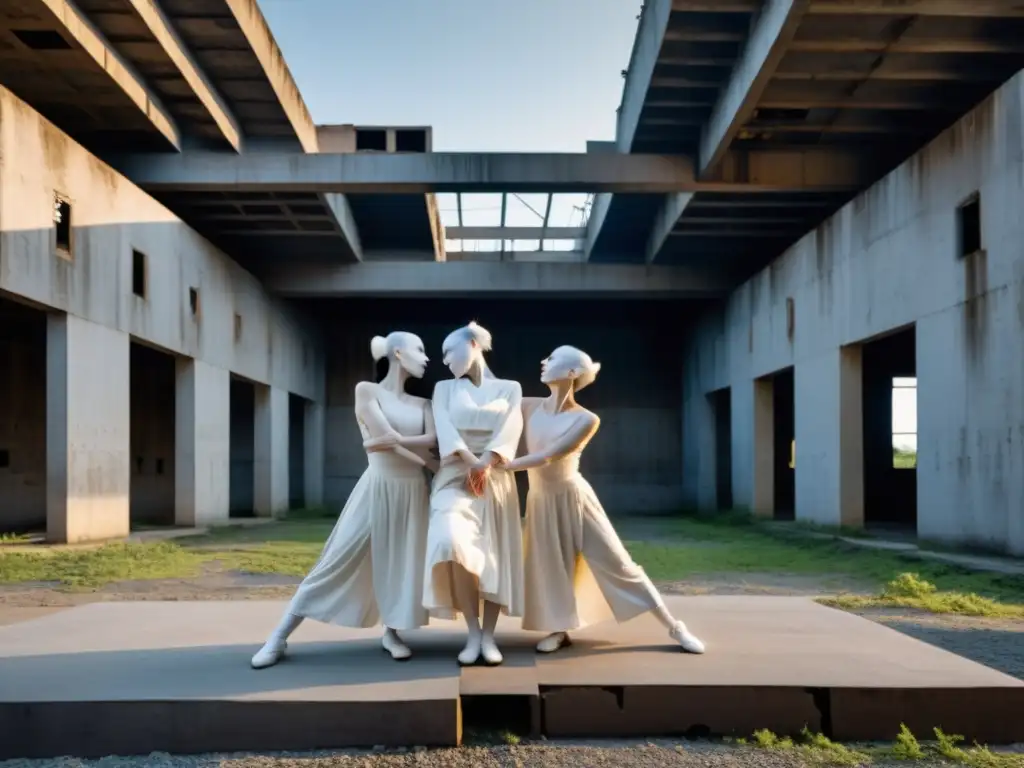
x=138, y=677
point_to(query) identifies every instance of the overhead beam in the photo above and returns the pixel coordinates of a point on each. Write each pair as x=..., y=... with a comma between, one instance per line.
x=665, y=221
x=167, y=37
x=209, y=172
x=78, y=26
x=515, y=233
x=715, y=6
x=960, y=8
x=923, y=46
x=344, y=222
x=254, y=27
x=650, y=34
x=493, y=278
x=598, y=213
x=773, y=30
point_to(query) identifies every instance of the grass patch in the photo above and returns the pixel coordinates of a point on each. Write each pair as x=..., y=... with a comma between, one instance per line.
x=726, y=546
x=910, y=591
x=816, y=749
x=734, y=545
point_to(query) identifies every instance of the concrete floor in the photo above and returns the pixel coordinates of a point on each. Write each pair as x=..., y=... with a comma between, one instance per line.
x=175, y=677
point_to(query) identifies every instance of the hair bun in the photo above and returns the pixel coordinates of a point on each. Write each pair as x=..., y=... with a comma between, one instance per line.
x=379, y=347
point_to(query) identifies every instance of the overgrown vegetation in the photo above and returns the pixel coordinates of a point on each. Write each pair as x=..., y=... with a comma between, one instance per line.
x=902, y=459
x=817, y=749
x=678, y=548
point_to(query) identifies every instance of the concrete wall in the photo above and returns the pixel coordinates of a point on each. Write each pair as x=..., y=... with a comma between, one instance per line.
x=634, y=462
x=887, y=260
x=110, y=219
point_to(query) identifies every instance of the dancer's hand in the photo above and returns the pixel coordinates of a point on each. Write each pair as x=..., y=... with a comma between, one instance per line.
x=383, y=443
x=476, y=482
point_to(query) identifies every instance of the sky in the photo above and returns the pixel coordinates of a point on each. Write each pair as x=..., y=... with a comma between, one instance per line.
x=487, y=76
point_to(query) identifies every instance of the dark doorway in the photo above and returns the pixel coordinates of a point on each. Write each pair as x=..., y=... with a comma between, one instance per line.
x=721, y=407
x=22, y=418
x=890, y=431
x=242, y=480
x=152, y=406
x=296, y=452
x=784, y=431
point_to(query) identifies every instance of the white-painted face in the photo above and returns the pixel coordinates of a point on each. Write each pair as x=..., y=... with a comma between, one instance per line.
x=411, y=355
x=460, y=353
x=564, y=363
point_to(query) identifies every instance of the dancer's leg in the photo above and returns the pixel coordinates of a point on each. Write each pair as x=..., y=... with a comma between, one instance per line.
x=467, y=600
x=393, y=644
x=273, y=650
x=488, y=648
x=624, y=584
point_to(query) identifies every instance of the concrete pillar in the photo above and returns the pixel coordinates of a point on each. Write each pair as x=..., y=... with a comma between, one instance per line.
x=88, y=426
x=763, y=495
x=851, y=437
x=315, y=415
x=829, y=439
x=202, y=444
x=271, y=465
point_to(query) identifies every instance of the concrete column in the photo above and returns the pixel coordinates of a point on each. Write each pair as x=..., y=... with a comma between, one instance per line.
x=88, y=425
x=315, y=415
x=829, y=439
x=271, y=465
x=851, y=437
x=202, y=444
x=763, y=495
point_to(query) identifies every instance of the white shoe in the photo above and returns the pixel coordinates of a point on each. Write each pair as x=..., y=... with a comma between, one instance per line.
x=489, y=650
x=553, y=642
x=471, y=653
x=689, y=642
x=393, y=644
x=271, y=653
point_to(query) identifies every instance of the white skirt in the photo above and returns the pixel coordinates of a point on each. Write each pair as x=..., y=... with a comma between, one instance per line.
x=577, y=571
x=484, y=535
x=371, y=568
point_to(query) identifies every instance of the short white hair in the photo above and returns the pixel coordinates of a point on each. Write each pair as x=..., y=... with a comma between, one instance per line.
x=586, y=368
x=465, y=335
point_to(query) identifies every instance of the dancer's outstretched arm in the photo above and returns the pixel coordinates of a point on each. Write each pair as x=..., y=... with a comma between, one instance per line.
x=572, y=440
x=369, y=413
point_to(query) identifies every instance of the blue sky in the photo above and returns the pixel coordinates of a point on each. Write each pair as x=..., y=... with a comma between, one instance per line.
x=523, y=76
x=488, y=75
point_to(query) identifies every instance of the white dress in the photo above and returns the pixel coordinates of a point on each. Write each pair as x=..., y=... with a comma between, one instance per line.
x=483, y=535
x=371, y=568
x=577, y=570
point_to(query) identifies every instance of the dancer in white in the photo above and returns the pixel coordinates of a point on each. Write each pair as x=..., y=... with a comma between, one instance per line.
x=474, y=545
x=577, y=570
x=371, y=568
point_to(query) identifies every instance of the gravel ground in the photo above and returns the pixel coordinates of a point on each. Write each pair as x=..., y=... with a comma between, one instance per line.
x=636, y=754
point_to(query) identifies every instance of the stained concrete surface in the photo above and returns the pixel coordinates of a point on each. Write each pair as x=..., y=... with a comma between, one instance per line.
x=772, y=662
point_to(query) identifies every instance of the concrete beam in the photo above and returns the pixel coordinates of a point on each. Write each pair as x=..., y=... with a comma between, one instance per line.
x=927, y=46
x=254, y=26
x=665, y=221
x=167, y=37
x=961, y=8
x=650, y=34
x=510, y=279
x=471, y=172
x=769, y=37
x=78, y=26
x=344, y=222
x=515, y=233
x=550, y=257
x=598, y=213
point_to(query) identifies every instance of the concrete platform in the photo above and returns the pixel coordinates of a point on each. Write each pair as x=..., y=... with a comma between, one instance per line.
x=131, y=678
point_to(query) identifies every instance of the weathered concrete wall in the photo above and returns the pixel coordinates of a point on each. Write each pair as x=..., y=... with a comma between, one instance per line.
x=887, y=260
x=634, y=462
x=111, y=218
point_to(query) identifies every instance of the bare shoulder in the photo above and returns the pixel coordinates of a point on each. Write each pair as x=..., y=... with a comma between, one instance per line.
x=366, y=390
x=423, y=402
x=590, y=418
